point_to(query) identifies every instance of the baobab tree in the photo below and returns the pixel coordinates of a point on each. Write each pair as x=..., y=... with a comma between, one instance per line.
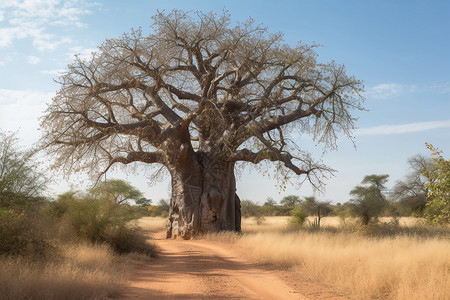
x=197, y=95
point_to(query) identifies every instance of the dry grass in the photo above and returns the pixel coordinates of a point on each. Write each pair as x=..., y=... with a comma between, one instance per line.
x=398, y=267
x=78, y=272
x=267, y=224
x=152, y=224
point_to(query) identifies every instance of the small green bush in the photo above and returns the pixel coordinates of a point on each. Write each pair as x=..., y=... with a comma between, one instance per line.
x=298, y=217
x=99, y=220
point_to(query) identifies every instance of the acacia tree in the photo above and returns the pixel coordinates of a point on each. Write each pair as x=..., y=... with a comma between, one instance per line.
x=369, y=201
x=412, y=192
x=198, y=95
x=312, y=206
x=118, y=191
x=437, y=209
x=20, y=183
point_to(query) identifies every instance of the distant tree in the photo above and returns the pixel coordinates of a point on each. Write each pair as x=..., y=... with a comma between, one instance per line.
x=412, y=192
x=250, y=209
x=270, y=202
x=21, y=183
x=312, y=207
x=118, y=191
x=144, y=202
x=164, y=205
x=270, y=208
x=368, y=201
x=437, y=210
x=198, y=95
x=159, y=210
x=290, y=201
x=21, y=189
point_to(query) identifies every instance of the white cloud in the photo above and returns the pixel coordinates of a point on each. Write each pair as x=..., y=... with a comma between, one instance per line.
x=53, y=72
x=33, y=19
x=385, y=90
x=20, y=110
x=388, y=90
x=33, y=60
x=404, y=128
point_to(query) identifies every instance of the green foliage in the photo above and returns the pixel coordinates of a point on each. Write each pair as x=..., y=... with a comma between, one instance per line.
x=368, y=202
x=99, y=220
x=298, y=217
x=11, y=238
x=270, y=208
x=119, y=191
x=21, y=186
x=20, y=236
x=160, y=210
x=343, y=210
x=312, y=207
x=250, y=209
x=144, y=202
x=437, y=209
x=290, y=201
x=270, y=202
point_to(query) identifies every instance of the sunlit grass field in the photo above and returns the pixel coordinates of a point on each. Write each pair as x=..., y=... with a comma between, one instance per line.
x=78, y=271
x=402, y=265
x=409, y=265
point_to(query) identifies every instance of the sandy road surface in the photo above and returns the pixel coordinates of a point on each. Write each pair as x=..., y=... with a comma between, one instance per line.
x=200, y=269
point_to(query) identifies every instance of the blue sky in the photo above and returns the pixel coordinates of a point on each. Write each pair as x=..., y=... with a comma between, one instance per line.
x=400, y=49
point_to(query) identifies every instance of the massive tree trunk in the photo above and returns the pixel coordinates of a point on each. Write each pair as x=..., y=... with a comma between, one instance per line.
x=204, y=196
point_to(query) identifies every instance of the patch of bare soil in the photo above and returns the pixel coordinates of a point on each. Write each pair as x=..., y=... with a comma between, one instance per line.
x=201, y=269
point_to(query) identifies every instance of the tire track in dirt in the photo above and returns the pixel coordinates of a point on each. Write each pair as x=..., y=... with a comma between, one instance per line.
x=200, y=269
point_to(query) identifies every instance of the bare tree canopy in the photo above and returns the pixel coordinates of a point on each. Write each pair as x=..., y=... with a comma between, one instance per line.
x=412, y=191
x=197, y=95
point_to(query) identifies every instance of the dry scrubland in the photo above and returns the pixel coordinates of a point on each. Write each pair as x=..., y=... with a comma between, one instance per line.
x=69, y=270
x=344, y=256
x=405, y=261
x=340, y=255
x=81, y=271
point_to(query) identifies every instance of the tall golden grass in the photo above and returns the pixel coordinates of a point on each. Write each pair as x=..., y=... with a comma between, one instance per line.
x=399, y=267
x=82, y=271
x=152, y=224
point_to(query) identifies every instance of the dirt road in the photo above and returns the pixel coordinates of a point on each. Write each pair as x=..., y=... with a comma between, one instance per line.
x=200, y=269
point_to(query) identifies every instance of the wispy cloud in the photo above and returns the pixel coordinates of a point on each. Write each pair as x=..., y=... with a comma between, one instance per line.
x=388, y=90
x=403, y=128
x=20, y=111
x=33, y=60
x=385, y=90
x=32, y=19
x=53, y=72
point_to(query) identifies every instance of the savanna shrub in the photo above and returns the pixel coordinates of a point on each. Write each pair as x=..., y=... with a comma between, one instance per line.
x=298, y=217
x=10, y=232
x=99, y=220
x=19, y=235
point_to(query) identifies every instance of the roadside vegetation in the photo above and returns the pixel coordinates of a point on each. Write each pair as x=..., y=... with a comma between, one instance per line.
x=81, y=245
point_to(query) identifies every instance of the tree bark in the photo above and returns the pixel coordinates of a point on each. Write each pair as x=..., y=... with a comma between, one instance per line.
x=203, y=197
